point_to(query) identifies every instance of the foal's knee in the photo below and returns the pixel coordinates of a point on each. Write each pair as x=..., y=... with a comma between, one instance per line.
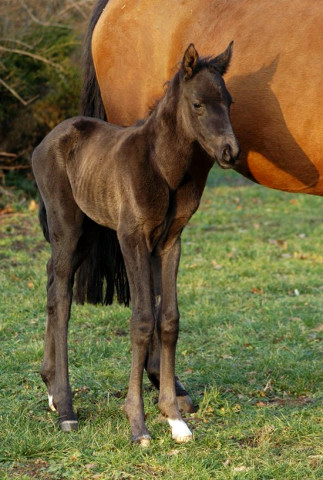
x=169, y=325
x=142, y=327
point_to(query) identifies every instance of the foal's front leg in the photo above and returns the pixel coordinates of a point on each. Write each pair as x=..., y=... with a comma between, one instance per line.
x=168, y=324
x=184, y=401
x=136, y=256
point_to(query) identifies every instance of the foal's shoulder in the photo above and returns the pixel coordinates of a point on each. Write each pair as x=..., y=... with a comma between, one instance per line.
x=85, y=125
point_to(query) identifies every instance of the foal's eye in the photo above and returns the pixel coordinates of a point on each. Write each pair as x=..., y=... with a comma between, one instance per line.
x=198, y=107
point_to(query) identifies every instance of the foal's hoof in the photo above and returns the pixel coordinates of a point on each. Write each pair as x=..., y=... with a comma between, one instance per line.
x=142, y=440
x=184, y=439
x=180, y=431
x=69, y=425
x=185, y=404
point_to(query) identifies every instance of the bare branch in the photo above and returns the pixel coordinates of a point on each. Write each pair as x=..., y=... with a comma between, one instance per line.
x=32, y=55
x=36, y=20
x=13, y=92
x=16, y=95
x=80, y=6
x=24, y=44
x=15, y=167
x=6, y=154
x=4, y=191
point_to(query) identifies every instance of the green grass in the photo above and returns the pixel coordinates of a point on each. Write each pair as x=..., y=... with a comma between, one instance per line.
x=250, y=351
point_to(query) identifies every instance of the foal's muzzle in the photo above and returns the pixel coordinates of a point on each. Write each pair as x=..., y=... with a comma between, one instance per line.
x=229, y=156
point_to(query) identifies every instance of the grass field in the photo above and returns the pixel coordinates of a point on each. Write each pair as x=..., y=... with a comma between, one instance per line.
x=250, y=351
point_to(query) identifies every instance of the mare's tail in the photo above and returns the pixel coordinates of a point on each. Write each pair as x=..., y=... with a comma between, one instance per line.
x=103, y=272
x=91, y=101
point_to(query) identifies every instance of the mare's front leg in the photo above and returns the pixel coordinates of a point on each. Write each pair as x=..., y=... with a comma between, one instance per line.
x=136, y=256
x=168, y=326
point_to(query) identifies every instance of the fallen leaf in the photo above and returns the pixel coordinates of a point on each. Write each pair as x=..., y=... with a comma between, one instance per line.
x=6, y=210
x=173, y=452
x=257, y=290
x=315, y=460
x=32, y=206
x=241, y=468
x=216, y=265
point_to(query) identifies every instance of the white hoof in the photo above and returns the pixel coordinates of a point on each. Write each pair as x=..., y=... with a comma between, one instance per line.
x=180, y=431
x=51, y=403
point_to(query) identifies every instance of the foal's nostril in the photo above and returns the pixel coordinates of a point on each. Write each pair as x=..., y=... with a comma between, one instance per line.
x=227, y=153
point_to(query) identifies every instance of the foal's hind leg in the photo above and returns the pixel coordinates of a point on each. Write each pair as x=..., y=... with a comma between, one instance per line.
x=48, y=367
x=48, y=370
x=65, y=227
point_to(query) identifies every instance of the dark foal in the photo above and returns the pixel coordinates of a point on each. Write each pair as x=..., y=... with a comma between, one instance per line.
x=135, y=181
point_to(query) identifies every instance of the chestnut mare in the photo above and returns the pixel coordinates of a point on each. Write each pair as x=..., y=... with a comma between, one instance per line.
x=275, y=80
x=134, y=181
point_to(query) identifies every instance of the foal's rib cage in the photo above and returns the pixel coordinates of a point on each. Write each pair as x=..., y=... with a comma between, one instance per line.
x=111, y=194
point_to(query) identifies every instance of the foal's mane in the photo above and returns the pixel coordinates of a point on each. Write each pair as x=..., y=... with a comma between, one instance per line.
x=203, y=63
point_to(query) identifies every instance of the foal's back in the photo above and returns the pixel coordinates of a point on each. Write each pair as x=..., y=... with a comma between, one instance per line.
x=106, y=167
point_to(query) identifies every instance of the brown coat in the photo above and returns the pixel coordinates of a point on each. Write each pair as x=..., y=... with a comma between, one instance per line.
x=275, y=77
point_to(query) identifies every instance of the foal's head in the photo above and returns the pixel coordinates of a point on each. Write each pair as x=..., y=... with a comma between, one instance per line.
x=204, y=105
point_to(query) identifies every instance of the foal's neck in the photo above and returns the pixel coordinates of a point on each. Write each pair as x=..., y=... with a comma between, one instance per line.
x=171, y=148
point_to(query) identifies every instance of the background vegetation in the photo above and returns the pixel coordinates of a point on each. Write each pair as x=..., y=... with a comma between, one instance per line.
x=40, y=74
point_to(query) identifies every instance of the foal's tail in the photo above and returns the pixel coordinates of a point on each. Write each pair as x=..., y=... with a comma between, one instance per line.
x=42, y=215
x=103, y=272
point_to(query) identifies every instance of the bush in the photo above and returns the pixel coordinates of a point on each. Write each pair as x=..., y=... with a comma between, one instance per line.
x=40, y=71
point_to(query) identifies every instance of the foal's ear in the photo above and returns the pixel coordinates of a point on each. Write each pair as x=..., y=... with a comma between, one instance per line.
x=190, y=60
x=222, y=61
